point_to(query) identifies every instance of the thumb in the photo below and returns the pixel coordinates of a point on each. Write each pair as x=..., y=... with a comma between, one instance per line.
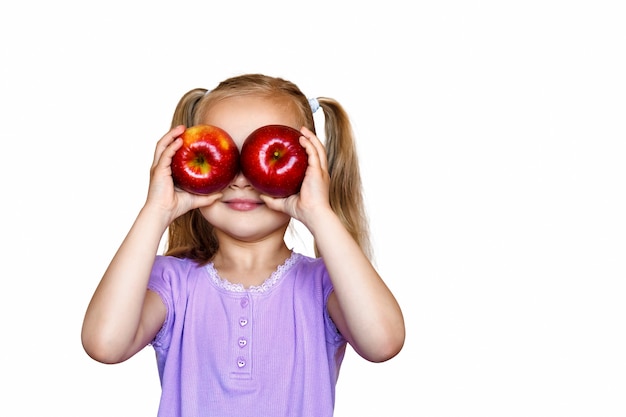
x=276, y=204
x=205, y=200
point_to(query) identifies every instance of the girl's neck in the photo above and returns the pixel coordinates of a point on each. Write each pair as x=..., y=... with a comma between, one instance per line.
x=249, y=264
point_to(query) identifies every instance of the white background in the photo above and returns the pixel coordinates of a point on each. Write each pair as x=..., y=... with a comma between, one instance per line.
x=492, y=140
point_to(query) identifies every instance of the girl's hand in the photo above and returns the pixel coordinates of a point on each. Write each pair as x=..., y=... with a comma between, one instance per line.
x=162, y=194
x=314, y=193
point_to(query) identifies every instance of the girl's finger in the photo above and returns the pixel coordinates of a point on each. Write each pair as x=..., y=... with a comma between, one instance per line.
x=320, y=150
x=166, y=141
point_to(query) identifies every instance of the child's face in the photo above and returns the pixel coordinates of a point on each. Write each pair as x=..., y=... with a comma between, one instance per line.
x=240, y=213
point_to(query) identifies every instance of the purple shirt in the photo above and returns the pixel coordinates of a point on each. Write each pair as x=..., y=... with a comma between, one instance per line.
x=267, y=351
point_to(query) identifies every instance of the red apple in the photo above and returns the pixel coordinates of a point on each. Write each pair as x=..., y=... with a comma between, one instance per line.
x=273, y=160
x=207, y=162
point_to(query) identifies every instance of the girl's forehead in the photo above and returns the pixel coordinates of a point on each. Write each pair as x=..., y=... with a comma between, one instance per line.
x=240, y=115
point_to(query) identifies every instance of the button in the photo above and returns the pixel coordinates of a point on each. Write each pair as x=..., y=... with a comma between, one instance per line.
x=243, y=321
x=244, y=302
x=242, y=342
x=241, y=362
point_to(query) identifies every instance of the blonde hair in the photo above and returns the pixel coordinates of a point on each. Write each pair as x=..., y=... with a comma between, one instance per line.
x=191, y=236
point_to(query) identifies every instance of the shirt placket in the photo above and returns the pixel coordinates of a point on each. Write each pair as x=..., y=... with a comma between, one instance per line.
x=243, y=362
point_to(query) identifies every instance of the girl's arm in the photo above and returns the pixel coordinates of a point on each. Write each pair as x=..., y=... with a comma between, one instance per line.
x=361, y=306
x=123, y=316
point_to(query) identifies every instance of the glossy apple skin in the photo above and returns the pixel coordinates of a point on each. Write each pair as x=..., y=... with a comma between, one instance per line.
x=207, y=162
x=273, y=160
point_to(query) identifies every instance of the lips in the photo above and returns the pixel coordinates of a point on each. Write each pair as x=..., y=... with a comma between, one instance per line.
x=243, y=204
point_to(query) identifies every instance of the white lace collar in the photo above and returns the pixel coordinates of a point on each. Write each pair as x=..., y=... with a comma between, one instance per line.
x=267, y=284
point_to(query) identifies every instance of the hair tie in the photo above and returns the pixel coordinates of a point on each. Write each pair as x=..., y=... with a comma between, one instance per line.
x=314, y=104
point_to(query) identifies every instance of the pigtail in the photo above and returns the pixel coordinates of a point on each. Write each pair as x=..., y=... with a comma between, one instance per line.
x=346, y=190
x=185, y=112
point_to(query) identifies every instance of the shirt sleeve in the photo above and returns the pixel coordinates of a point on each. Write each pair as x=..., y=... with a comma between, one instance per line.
x=161, y=283
x=333, y=336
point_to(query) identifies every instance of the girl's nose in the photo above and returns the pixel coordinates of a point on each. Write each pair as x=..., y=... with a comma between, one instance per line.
x=240, y=181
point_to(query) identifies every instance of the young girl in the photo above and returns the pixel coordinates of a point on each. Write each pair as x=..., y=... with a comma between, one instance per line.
x=241, y=324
